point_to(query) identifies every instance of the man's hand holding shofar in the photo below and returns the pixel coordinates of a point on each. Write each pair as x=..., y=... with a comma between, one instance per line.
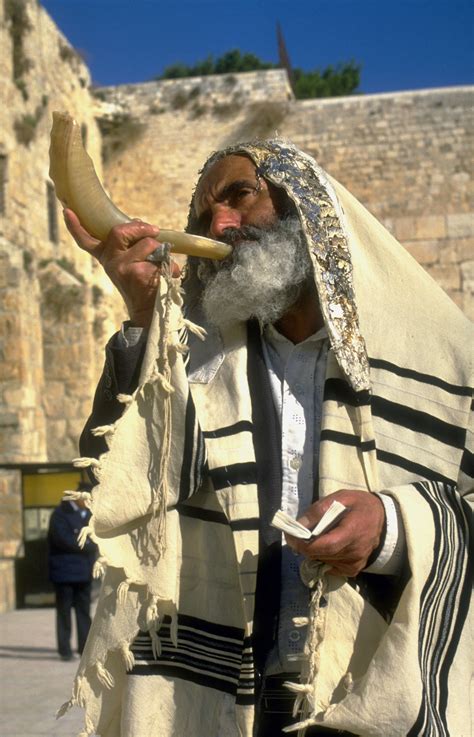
x=346, y=547
x=123, y=256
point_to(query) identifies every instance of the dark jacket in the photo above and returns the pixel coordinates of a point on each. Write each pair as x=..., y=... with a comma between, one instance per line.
x=68, y=563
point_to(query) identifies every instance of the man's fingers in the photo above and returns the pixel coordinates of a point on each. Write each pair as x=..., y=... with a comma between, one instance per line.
x=122, y=237
x=328, y=545
x=139, y=253
x=83, y=239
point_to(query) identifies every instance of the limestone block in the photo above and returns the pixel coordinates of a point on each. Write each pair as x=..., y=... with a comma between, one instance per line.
x=447, y=276
x=465, y=248
x=7, y=586
x=404, y=228
x=24, y=396
x=432, y=226
x=467, y=276
x=11, y=549
x=53, y=398
x=425, y=252
x=460, y=225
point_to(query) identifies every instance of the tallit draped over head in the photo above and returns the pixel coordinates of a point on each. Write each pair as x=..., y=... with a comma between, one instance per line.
x=176, y=510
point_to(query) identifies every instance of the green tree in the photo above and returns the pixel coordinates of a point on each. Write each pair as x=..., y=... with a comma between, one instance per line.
x=343, y=79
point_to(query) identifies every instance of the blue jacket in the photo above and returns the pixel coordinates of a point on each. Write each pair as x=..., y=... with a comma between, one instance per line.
x=67, y=562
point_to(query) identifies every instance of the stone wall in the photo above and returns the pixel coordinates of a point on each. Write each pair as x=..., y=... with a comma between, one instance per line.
x=11, y=535
x=50, y=355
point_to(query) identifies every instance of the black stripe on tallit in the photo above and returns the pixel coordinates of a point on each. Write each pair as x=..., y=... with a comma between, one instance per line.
x=186, y=488
x=185, y=674
x=223, y=432
x=206, y=515
x=461, y=526
x=398, y=414
x=267, y=444
x=212, y=628
x=339, y=390
x=467, y=463
x=247, y=682
x=211, y=515
x=436, y=657
x=460, y=391
x=342, y=438
x=250, y=523
x=200, y=464
x=207, y=653
x=237, y=473
x=416, y=468
x=421, y=422
x=217, y=662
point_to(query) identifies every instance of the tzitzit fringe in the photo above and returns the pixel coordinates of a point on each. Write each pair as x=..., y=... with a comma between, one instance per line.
x=313, y=573
x=162, y=378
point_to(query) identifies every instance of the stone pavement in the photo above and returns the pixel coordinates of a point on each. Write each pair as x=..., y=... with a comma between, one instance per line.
x=34, y=681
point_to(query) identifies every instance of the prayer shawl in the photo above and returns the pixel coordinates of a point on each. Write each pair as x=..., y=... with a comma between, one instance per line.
x=176, y=513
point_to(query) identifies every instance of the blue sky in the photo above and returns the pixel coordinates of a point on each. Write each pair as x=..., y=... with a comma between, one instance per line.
x=401, y=44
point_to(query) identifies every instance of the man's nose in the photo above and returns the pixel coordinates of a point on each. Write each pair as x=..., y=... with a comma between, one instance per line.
x=222, y=218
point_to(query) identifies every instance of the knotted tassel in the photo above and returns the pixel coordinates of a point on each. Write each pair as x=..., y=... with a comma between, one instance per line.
x=304, y=688
x=84, y=462
x=179, y=347
x=196, y=329
x=101, y=430
x=313, y=575
x=64, y=708
x=99, y=567
x=128, y=657
x=299, y=727
x=78, y=691
x=105, y=677
x=176, y=292
x=152, y=615
x=125, y=399
x=74, y=496
x=164, y=383
x=83, y=535
x=302, y=691
x=155, y=643
x=122, y=592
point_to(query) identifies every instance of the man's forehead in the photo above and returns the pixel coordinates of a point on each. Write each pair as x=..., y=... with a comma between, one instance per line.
x=220, y=175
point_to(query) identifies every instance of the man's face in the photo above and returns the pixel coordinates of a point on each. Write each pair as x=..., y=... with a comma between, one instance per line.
x=270, y=264
x=231, y=195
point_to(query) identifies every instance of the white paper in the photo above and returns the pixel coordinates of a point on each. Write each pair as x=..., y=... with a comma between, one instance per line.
x=285, y=523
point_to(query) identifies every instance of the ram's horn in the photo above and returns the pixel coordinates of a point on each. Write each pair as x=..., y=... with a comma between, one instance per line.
x=78, y=187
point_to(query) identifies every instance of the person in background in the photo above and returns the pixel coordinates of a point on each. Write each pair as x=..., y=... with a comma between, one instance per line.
x=70, y=570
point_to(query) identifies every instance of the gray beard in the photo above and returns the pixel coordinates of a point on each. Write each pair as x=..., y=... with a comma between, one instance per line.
x=263, y=279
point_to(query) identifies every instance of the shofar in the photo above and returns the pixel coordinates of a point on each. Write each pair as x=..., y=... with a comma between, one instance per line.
x=78, y=187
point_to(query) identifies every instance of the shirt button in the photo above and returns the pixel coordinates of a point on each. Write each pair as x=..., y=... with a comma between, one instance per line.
x=294, y=636
x=298, y=389
x=295, y=463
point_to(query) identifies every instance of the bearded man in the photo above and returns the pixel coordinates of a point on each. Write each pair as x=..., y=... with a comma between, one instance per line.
x=332, y=368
